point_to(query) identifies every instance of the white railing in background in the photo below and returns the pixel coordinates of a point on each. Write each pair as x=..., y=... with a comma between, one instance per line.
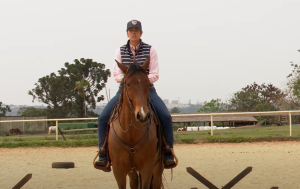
x=56, y=121
x=177, y=115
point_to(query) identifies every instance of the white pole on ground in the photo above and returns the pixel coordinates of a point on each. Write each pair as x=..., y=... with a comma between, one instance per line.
x=56, y=129
x=290, y=118
x=211, y=125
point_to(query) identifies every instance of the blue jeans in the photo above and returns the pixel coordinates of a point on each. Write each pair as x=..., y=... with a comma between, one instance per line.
x=160, y=108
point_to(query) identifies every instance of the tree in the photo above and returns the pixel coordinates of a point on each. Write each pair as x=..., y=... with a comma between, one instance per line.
x=215, y=105
x=57, y=90
x=32, y=112
x=293, y=87
x=4, y=109
x=91, y=114
x=254, y=97
x=175, y=110
x=192, y=108
x=80, y=87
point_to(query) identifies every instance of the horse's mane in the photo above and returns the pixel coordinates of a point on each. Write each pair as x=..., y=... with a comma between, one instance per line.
x=133, y=69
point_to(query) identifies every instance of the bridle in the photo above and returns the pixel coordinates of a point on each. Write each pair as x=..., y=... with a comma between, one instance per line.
x=132, y=112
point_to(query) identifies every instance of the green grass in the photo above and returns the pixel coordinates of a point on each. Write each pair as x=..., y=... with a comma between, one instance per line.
x=45, y=137
x=241, y=134
x=281, y=131
x=237, y=135
x=32, y=144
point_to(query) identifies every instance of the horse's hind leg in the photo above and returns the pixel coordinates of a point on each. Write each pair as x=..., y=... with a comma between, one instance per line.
x=134, y=178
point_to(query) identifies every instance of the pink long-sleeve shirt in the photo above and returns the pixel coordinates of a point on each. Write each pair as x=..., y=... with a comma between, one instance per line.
x=153, y=66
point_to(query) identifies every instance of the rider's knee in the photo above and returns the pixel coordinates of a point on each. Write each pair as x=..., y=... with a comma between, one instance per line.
x=166, y=118
x=102, y=119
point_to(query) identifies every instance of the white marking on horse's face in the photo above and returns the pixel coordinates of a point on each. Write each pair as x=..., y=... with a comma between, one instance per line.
x=142, y=112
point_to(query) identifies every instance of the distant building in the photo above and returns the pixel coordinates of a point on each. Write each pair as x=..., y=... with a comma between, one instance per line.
x=174, y=101
x=166, y=101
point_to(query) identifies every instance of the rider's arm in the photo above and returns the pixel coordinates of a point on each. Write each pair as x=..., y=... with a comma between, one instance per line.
x=118, y=73
x=153, y=66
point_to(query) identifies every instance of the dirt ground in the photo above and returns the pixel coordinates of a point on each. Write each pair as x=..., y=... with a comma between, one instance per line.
x=274, y=164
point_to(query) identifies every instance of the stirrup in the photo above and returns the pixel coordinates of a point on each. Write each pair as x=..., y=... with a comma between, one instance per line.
x=170, y=166
x=175, y=160
x=106, y=168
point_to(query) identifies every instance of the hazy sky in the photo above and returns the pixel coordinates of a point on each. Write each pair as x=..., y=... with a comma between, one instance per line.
x=206, y=49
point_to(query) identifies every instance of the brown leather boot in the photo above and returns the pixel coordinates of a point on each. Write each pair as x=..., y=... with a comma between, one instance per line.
x=169, y=163
x=102, y=166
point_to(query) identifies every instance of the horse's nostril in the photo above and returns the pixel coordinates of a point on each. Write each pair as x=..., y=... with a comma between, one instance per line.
x=139, y=115
x=141, y=118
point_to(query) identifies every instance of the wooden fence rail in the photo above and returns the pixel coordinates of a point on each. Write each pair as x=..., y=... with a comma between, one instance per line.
x=295, y=112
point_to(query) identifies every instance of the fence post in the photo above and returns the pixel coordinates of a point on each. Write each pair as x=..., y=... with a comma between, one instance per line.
x=23, y=125
x=290, y=120
x=211, y=125
x=56, y=123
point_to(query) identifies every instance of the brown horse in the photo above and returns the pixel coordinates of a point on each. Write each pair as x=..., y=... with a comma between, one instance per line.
x=132, y=140
x=14, y=131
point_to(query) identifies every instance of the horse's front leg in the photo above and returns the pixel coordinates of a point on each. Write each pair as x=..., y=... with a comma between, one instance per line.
x=134, y=178
x=157, y=176
x=146, y=174
x=120, y=177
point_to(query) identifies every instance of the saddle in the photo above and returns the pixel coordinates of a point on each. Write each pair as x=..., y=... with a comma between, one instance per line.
x=161, y=141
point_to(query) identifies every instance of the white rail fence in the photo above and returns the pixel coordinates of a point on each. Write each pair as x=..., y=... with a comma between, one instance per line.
x=289, y=113
x=24, y=127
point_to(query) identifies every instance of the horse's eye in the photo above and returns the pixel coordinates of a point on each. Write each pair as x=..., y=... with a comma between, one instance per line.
x=127, y=84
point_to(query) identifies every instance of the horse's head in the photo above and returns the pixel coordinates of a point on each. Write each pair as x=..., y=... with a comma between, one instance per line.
x=136, y=89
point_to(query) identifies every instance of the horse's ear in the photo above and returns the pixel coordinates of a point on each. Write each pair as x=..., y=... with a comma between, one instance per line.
x=122, y=67
x=145, y=66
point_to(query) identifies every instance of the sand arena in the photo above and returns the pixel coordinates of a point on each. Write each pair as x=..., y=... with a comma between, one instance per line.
x=274, y=164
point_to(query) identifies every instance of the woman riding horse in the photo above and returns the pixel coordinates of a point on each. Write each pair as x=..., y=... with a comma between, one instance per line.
x=136, y=51
x=132, y=139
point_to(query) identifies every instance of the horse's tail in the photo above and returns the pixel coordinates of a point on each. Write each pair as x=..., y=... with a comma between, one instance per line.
x=160, y=151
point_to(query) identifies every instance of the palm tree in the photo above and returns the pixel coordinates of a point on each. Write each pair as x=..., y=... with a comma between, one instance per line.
x=80, y=87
